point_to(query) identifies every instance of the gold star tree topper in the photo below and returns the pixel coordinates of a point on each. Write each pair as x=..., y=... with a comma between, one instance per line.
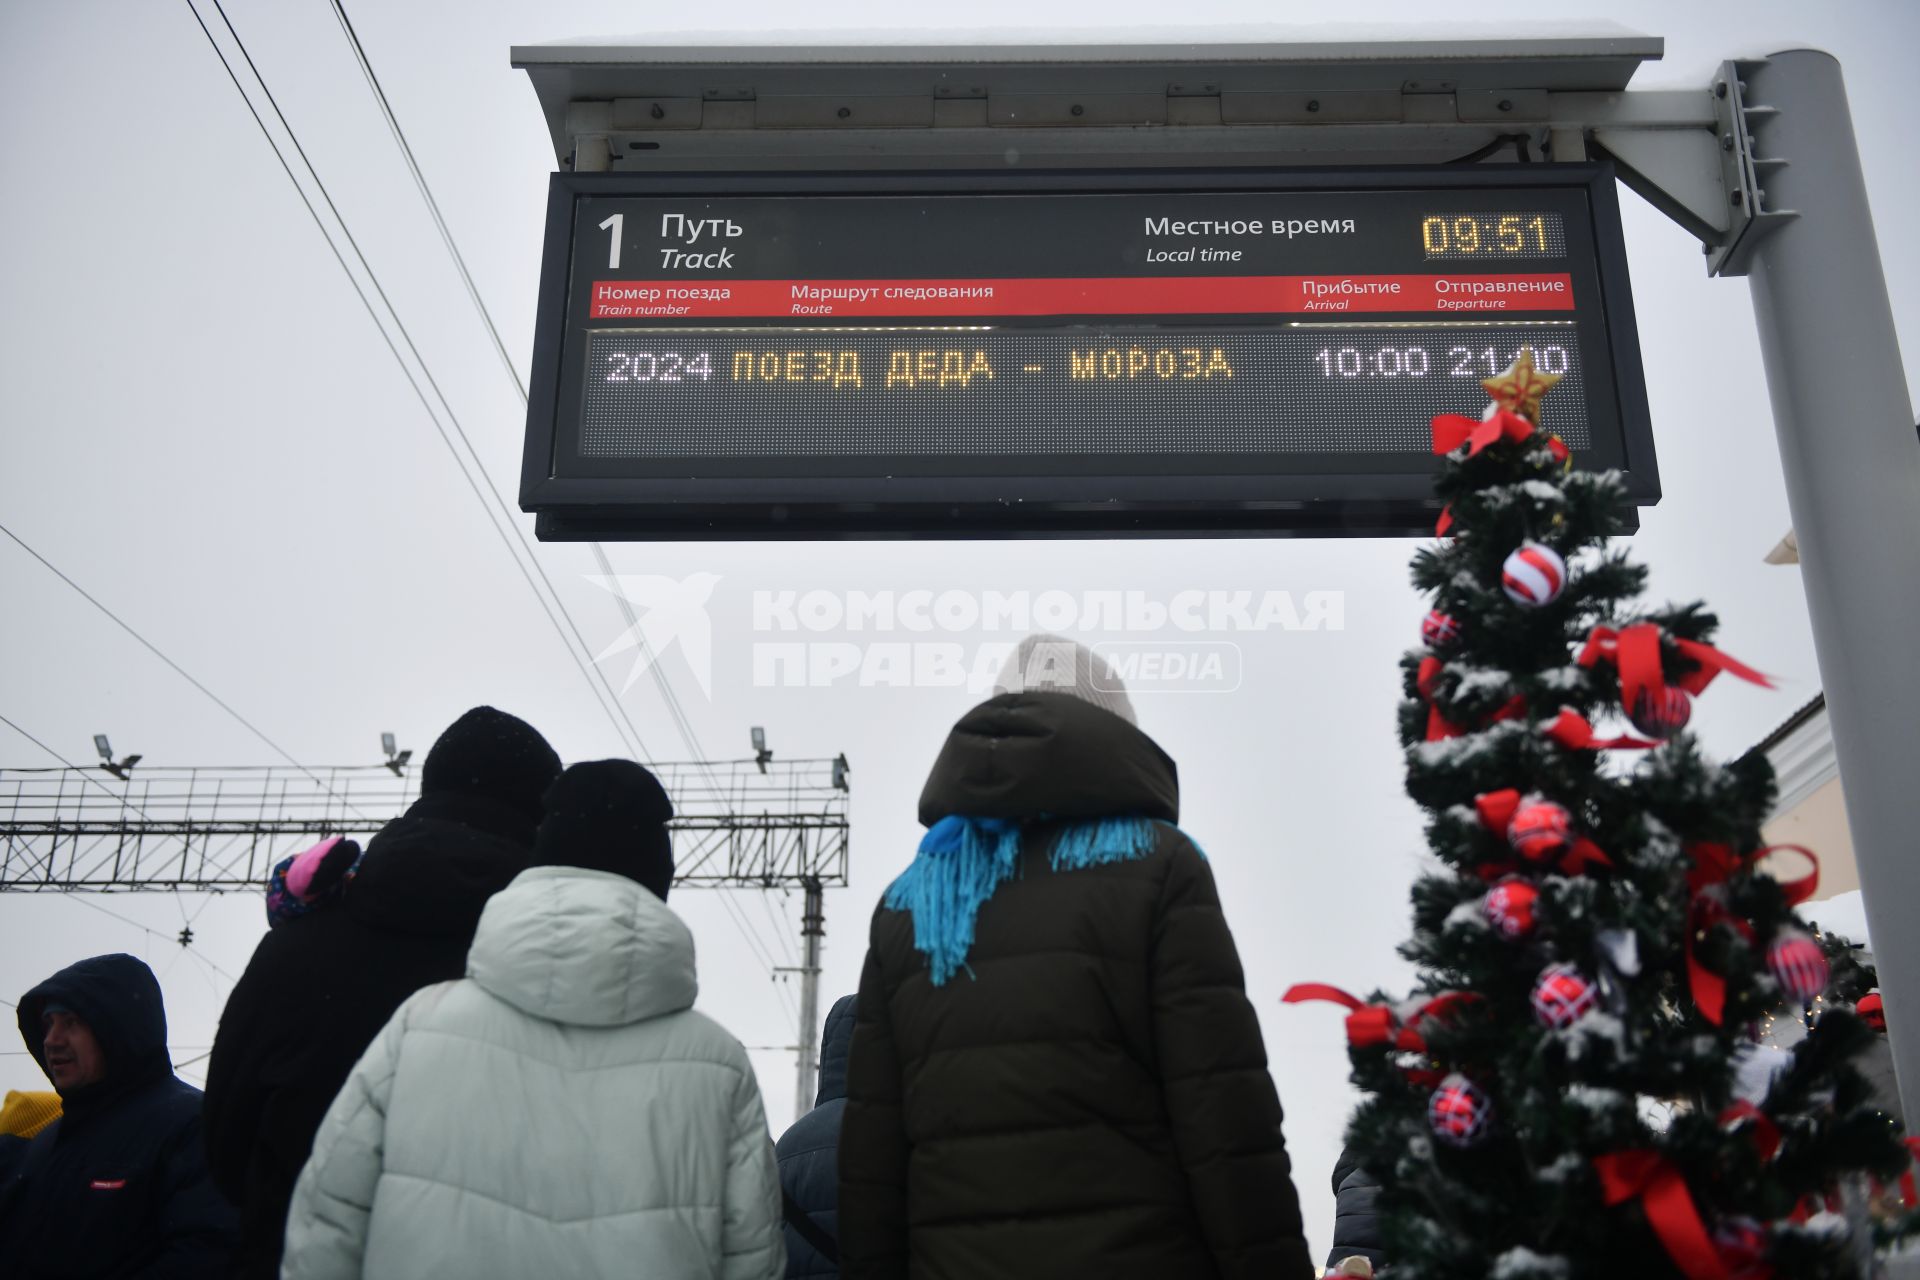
x=1519, y=389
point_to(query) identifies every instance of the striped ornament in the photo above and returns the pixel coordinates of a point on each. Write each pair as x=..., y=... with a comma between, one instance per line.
x=1534, y=575
x=1799, y=966
x=1662, y=712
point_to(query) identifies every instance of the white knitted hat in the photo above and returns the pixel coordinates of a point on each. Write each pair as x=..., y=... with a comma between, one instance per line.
x=1054, y=664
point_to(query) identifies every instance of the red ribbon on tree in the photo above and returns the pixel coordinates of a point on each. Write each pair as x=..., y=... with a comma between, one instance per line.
x=1715, y=864
x=1766, y=1134
x=1438, y=726
x=1709, y=988
x=1635, y=651
x=1573, y=731
x=1372, y=1024
x=1451, y=430
x=1650, y=1178
x=1496, y=810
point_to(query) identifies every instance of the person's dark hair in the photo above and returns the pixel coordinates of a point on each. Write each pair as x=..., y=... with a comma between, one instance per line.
x=609, y=815
x=494, y=756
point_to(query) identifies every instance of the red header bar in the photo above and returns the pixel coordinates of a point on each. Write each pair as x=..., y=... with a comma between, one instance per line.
x=1098, y=296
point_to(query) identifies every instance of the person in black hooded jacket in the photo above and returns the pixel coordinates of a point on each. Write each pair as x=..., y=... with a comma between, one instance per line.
x=809, y=1151
x=117, y=1188
x=1356, y=1213
x=1055, y=1068
x=320, y=987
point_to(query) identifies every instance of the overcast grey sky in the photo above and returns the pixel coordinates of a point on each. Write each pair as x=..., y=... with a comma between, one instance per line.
x=199, y=424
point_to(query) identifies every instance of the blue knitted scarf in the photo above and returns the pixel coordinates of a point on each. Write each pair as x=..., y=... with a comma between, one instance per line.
x=962, y=861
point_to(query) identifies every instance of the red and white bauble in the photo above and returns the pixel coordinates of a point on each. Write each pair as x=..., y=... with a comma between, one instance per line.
x=1799, y=966
x=1439, y=630
x=1460, y=1113
x=1539, y=830
x=1662, y=712
x=1534, y=575
x=1562, y=995
x=1510, y=908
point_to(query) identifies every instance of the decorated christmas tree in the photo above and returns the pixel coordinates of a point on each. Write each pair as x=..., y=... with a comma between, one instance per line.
x=1574, y=1090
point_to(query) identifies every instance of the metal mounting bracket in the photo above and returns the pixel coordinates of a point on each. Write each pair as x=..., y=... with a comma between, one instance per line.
x=1742, y=167
x=1707, y=181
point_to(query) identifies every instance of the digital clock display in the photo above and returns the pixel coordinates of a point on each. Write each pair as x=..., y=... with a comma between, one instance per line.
x=1059, y=351
x=1512, y=236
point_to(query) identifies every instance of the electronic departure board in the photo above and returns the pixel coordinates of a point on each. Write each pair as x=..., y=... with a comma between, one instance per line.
x=1069, y=353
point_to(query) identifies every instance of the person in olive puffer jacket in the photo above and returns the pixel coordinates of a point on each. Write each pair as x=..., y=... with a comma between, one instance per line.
x=1055, y=1068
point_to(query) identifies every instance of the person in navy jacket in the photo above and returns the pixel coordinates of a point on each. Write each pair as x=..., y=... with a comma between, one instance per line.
x=118, y=1186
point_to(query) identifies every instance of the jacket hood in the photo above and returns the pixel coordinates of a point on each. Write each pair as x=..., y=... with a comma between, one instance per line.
x=430, y=871
x=836, y=1047
x=1030, y=755
x=118, y=998
x=583, y=948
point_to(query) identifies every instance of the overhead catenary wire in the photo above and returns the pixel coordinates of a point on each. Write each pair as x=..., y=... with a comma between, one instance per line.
x=779, y=933
x=504, y=529
x=177, y=669
x=622, y=723
x=675, y=710
x=85, y=775
x=88, y=902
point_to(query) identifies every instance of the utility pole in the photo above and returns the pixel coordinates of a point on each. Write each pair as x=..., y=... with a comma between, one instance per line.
x=813, y=928
x=1845, y=424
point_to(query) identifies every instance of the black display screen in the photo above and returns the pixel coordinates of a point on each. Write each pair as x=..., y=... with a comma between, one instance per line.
x=922, y=343
x=1145, y=394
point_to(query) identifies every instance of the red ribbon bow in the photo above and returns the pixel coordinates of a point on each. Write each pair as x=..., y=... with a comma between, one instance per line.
x=1709, y=988
x=1451, y=430
x=1715, y=864
x=1372, y=1024
x=1573, y=731
x=1635, y=650
x=1652, y=1179
x=1766, y=1134
x=1496, y=809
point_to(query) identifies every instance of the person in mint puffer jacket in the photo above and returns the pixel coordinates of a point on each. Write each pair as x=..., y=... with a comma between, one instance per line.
x=562, y=1111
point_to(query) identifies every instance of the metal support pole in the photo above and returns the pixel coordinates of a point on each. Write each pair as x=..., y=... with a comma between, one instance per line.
x=813, y=928
x=1852, y=465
